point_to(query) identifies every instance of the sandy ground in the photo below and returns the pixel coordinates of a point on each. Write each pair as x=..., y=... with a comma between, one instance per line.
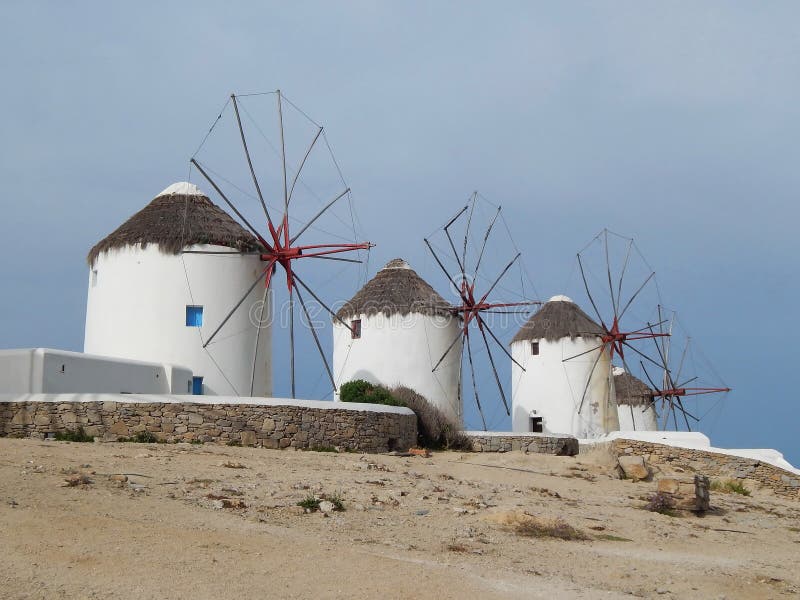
x=413, y=527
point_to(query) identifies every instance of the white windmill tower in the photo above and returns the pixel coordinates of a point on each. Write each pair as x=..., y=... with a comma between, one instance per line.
x=564, y=382
x=160, y=283
x=635, y=407
x=393, y=331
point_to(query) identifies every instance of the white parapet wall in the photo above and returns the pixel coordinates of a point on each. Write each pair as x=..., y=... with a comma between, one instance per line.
x=49, y=371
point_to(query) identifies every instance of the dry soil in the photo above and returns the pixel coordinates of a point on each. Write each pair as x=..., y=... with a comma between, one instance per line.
x=204, y=521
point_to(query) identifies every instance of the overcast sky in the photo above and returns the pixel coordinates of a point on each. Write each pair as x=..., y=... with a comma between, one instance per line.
x=674, y=123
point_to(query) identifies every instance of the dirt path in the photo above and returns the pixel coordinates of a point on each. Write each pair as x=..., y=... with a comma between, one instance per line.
x=185, y=525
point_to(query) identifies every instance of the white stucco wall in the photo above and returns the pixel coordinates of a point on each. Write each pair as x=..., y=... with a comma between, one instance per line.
x=136, y=309
x=402, y=350
x=637, y=418
x=43, y=370
x=553, y=388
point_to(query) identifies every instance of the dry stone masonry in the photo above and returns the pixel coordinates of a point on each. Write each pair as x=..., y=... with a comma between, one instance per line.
x=530, y=443
x=269, y=426
x=713, y=464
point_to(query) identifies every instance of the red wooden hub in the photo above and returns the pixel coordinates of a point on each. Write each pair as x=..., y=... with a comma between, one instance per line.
x=470, y=308
x=615, y=339
x=282, y=252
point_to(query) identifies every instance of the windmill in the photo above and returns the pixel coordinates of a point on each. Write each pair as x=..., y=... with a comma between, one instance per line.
x=684, y=372
x=616, y=279
x=464, y=272
x=279, y=229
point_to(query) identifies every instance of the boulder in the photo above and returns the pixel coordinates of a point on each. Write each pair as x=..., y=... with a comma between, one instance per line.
x=634, y=467
x=687, y=493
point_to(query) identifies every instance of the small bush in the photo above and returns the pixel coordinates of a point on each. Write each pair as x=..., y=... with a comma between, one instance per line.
x=142, y=437
x=310, y=502
x=729, y=486
x=79, y=435
x=434, y=429
x=337, y=501
x=234, y=443
x=364, y=391
x=544, y=528
x=322, y=449
x=661, y=503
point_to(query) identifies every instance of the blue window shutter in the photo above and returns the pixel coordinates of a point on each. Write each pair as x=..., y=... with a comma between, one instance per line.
x=197, y=386
x=194, y=316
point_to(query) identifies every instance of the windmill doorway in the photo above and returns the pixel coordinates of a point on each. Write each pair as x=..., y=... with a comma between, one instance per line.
x=536, y=425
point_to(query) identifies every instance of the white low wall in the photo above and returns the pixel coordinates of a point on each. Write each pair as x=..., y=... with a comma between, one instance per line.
x=45, y=370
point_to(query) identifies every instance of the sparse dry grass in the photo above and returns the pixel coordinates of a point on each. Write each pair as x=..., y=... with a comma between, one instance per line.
x=526, y=525
x=729, y=486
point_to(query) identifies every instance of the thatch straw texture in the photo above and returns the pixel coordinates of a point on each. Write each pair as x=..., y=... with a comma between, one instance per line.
x=558, y=319
x=174, y=222
x=631, y=391
x=396, y=289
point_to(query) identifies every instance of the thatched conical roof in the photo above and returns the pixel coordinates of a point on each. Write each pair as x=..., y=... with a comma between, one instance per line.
x=396, y=289
x=178, y=217
x=560, y=317
x=630, y=390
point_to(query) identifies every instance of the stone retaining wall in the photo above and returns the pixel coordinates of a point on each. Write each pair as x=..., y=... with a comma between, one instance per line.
x=534, y=443
x=270, y=426
x=715, y=465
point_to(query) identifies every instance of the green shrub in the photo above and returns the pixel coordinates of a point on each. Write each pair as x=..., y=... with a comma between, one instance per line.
x=434, y=429
x=364, y=391
x=142, y=437
x=310, y=503
x=79, y=435
x=729, y=486
x=322, y=449
x=337, y=501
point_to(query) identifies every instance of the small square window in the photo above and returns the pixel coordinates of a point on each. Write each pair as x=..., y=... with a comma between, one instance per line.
x=534, y=348
x=194, y=316
x=355, y=329
x=197, y=386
